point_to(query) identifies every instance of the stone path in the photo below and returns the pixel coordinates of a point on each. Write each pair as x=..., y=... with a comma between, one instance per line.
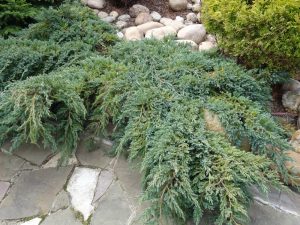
x=95, y=189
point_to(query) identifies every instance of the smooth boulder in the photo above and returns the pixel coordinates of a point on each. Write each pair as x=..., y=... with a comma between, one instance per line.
x=160, y=33
x=195, y=32
x=149, y=26
x=133, y=34
x=178, y=5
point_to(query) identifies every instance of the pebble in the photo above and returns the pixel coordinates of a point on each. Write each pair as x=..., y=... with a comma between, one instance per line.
x=155, y=16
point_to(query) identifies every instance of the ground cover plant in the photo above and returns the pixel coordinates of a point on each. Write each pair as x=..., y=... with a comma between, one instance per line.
x=260, y=33
x=186, y=117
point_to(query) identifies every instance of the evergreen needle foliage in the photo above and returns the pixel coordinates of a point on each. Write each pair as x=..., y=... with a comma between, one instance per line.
x=43, y=109
x=158, y=107
x=185, y=115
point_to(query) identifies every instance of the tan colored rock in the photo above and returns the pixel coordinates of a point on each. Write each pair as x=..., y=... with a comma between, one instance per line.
x=172, y=23
x=149, y=26
x=178, y=5
x=291, y=100
x=294, y=166
x=96, y=4
x=133, y=34
x=206, y=45
x=295, y=141
x=291, y=85
x=213, y=122
x=160, y=33
x=195, y=32
x=136, y=9
x=143, y=18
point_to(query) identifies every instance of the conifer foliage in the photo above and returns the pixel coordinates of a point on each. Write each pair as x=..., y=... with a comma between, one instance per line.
x=158, y=95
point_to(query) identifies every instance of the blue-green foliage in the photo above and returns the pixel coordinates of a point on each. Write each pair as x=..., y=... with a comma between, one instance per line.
x=68, y=73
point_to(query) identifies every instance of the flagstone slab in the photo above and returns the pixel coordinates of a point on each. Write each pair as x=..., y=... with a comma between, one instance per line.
x=113, y=208
x=265, y=215
x=33, y=153
x=33, y=193
x=35, y=221
x=61, y=201
x=62, y=217
x=9, y=166
x=3, y=189
x=82, y=187
x=104, y=181
x=130, y=178
x=99, y=157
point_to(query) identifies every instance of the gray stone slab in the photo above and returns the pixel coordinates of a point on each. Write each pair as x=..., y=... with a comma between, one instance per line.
x=62, y=217
x=130, y=178
x=290, y=202
x=113, y=208
x=9, y=166
x=3, y=189
x=33, y=153
x=104, y=181
x=61, y=201
x=33, y=193
x=266, y=215
x=99, y=157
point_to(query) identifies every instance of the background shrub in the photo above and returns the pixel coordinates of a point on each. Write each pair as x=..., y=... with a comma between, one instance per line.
x=259, y=33
x=15, y=14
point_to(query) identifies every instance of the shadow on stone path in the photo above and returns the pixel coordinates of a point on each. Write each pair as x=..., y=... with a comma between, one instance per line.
x=95, y=189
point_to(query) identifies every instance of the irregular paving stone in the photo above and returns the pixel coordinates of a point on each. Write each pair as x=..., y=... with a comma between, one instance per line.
x=9, y=166
x=62, y=217
x=33, y=153
x=3, y=189
x=82, y=187
x=149, y=26
x=266, y=215
x=33, y=193
x=195, y=32
x=35, y=221
x=272, y=198
x=54, y=161
x=290, y=202
x=160, y=33
x=130, y=179
x=104, y=181
x=61, y=201
x=98, y=158
x=113, y=208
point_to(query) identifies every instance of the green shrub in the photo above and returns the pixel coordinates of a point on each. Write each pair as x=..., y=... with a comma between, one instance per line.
x=159, y=108
x=15, y=14
x=20, y=59
x=71, y=22
x=259, y=33
x=43, y=109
